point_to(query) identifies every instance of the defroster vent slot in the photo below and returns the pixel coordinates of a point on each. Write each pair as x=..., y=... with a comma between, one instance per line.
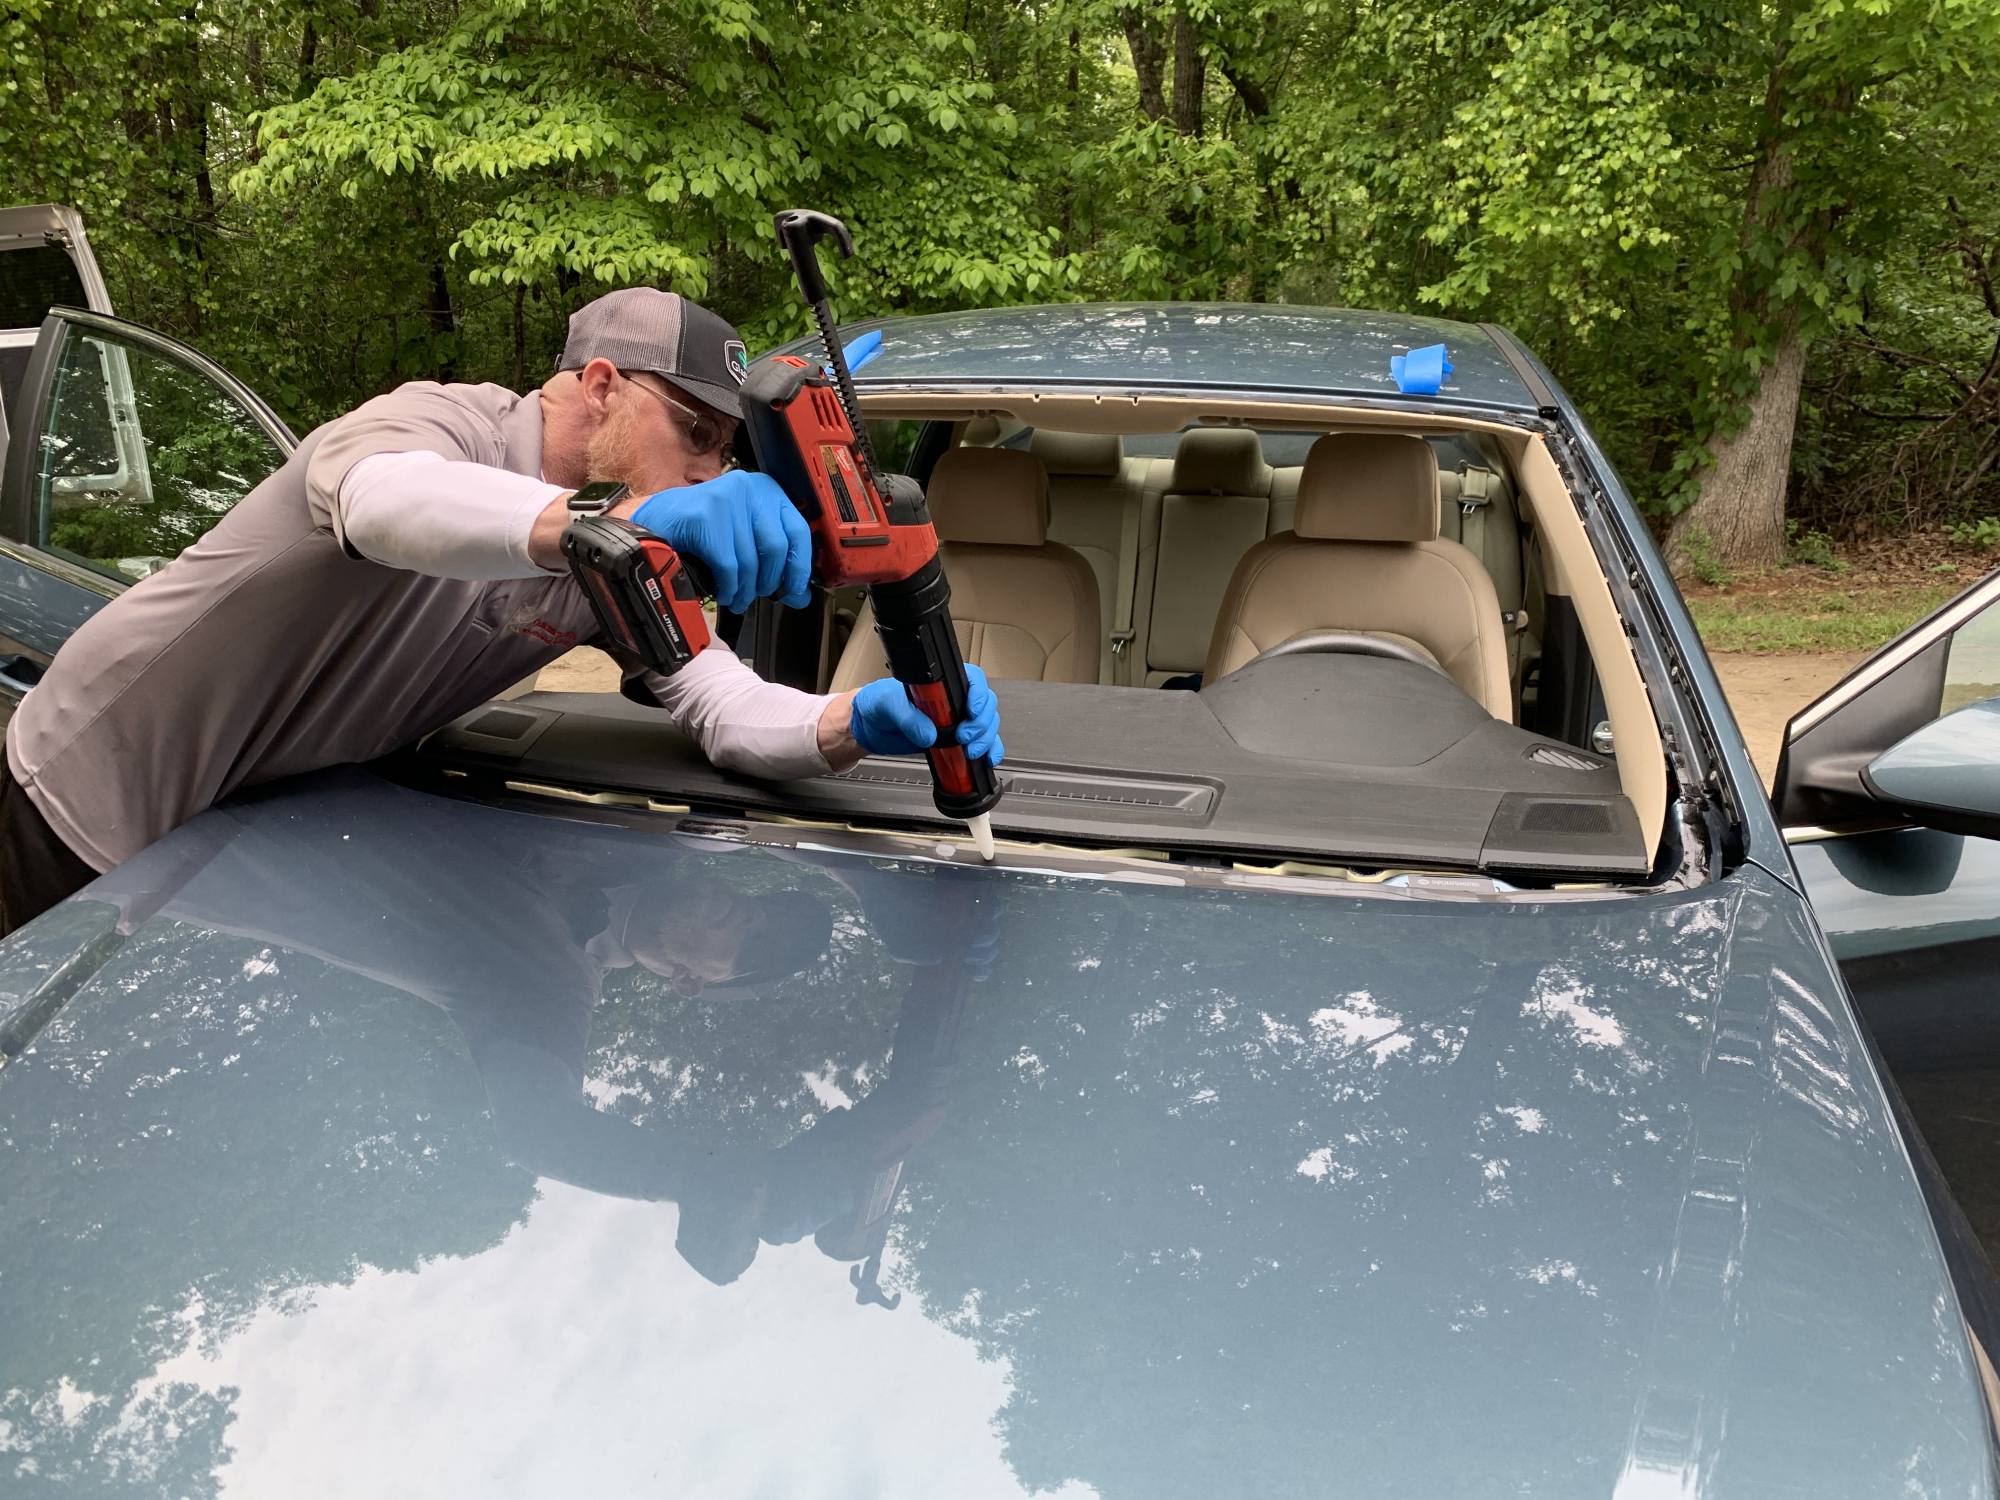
x=1084, y=790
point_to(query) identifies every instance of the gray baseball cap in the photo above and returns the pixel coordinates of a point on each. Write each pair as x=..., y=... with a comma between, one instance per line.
x=639, y=328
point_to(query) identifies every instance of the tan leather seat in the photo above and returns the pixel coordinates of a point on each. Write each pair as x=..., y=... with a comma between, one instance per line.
x=1364, y=554
x=1091, y=487
x=1107, y=506
x=1217, y=506
x=1024, y=607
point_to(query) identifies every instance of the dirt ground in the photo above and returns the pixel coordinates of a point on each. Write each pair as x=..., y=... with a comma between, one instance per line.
x=584, y=670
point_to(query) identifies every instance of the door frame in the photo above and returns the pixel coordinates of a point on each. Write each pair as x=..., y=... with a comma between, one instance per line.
x=17, y=481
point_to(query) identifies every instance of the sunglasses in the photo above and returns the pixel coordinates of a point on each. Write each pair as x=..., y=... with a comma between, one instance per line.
x=706, y=433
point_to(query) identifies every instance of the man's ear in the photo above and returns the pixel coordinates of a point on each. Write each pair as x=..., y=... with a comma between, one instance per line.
x=596, y=379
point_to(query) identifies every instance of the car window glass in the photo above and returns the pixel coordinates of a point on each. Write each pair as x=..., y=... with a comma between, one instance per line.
x=33, y=280
x=139, y=456
x=1972, y=669
x=894, y=443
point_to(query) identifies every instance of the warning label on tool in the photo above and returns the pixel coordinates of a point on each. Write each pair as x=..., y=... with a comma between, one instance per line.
x=844, y=480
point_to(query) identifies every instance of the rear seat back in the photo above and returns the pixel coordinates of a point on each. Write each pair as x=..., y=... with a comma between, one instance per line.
x=1217, y=506
x=1096, y=501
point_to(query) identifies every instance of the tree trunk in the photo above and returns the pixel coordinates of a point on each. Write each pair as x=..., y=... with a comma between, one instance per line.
x=1148, y=62
x=308, y=53
x=520, y=335
x=1190, y=76
x=444, y=324
x=1739, y=520
x=1249, y=90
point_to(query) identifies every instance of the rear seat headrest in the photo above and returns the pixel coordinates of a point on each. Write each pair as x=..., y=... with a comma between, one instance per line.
x=1368, y=487
x=1220, y=461
x=995, y=496
x=1095, y=455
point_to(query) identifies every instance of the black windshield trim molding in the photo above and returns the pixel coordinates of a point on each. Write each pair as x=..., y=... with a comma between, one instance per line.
x=1689, y=736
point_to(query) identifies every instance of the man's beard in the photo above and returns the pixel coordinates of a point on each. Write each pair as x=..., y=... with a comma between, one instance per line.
x=615, y=453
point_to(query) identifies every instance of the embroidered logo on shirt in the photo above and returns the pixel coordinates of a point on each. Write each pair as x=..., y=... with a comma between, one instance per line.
x=535, y=628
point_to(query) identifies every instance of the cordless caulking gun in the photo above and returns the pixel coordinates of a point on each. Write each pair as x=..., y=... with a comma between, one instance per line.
x=868, y=528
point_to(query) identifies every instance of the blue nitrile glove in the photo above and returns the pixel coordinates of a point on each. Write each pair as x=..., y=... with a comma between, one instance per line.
x=886, y=722
x=753, y=539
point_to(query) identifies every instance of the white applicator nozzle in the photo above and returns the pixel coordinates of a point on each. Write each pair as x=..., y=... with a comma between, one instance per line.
x=981, y=825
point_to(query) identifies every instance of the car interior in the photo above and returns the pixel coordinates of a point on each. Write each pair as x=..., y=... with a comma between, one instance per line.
x=1381, y=642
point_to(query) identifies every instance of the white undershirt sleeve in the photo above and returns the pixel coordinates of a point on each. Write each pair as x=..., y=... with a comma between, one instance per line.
x=429, y=514
x=742, y=722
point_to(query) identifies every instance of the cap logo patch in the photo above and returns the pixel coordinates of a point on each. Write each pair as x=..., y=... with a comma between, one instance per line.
x=738, y=359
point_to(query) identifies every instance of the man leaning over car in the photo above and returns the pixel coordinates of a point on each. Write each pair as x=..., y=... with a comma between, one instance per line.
x=403, y=567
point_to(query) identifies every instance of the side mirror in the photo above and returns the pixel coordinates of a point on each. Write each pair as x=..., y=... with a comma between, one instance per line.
x=1872, y=752
x=1947, y=774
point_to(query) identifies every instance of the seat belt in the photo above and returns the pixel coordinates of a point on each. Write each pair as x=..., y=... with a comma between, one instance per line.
x=1475, y=505
x=1120, y=665
x=1475, y=498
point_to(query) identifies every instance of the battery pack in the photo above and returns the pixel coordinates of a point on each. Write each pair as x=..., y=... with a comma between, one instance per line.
x=644, y=594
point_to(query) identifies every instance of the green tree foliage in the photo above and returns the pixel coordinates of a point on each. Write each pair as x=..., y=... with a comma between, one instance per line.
x=1689, y=207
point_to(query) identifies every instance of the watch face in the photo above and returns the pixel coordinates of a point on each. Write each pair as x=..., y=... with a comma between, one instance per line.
x=599, y=496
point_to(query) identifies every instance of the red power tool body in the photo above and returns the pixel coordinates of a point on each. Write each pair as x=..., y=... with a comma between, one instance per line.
x=867, y=527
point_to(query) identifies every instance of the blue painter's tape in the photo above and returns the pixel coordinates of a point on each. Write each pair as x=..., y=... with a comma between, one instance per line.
x=861, y=350
x=1421, y=372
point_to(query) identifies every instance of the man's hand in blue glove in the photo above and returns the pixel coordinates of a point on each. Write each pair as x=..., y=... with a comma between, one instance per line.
x=752, y=538
x=881, y=720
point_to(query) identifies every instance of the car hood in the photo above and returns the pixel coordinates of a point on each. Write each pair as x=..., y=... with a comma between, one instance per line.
x=379, y=1148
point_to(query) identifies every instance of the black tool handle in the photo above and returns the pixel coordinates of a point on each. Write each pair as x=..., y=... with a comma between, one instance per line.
x=799, y=229
x=913, y=618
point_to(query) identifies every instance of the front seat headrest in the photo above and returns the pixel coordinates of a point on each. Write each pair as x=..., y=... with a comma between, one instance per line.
x=998, y=497
x=1220, y=461
x=1090, y=455
x=1368, y=487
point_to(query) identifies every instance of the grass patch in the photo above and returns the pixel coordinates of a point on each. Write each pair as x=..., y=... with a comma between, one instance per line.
x=1850, y=619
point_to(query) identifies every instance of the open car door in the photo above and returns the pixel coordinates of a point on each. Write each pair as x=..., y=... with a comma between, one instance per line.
x=1889, y=790
x=126, y=446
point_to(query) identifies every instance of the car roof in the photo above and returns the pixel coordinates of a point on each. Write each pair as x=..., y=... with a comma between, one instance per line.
x=1185, y=345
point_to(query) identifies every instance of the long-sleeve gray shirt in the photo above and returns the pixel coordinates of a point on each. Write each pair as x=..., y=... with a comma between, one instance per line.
x=270, y=647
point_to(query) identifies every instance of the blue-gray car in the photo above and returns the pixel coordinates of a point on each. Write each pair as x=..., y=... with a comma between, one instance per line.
x=1400, y=1048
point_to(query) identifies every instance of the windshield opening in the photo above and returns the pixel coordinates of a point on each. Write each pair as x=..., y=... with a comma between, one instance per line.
x=1360, y=650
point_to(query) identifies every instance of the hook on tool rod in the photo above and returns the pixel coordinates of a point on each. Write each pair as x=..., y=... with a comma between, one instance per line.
x=799, y=229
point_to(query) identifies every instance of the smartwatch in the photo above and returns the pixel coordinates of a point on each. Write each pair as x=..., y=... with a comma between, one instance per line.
x=596, y=498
